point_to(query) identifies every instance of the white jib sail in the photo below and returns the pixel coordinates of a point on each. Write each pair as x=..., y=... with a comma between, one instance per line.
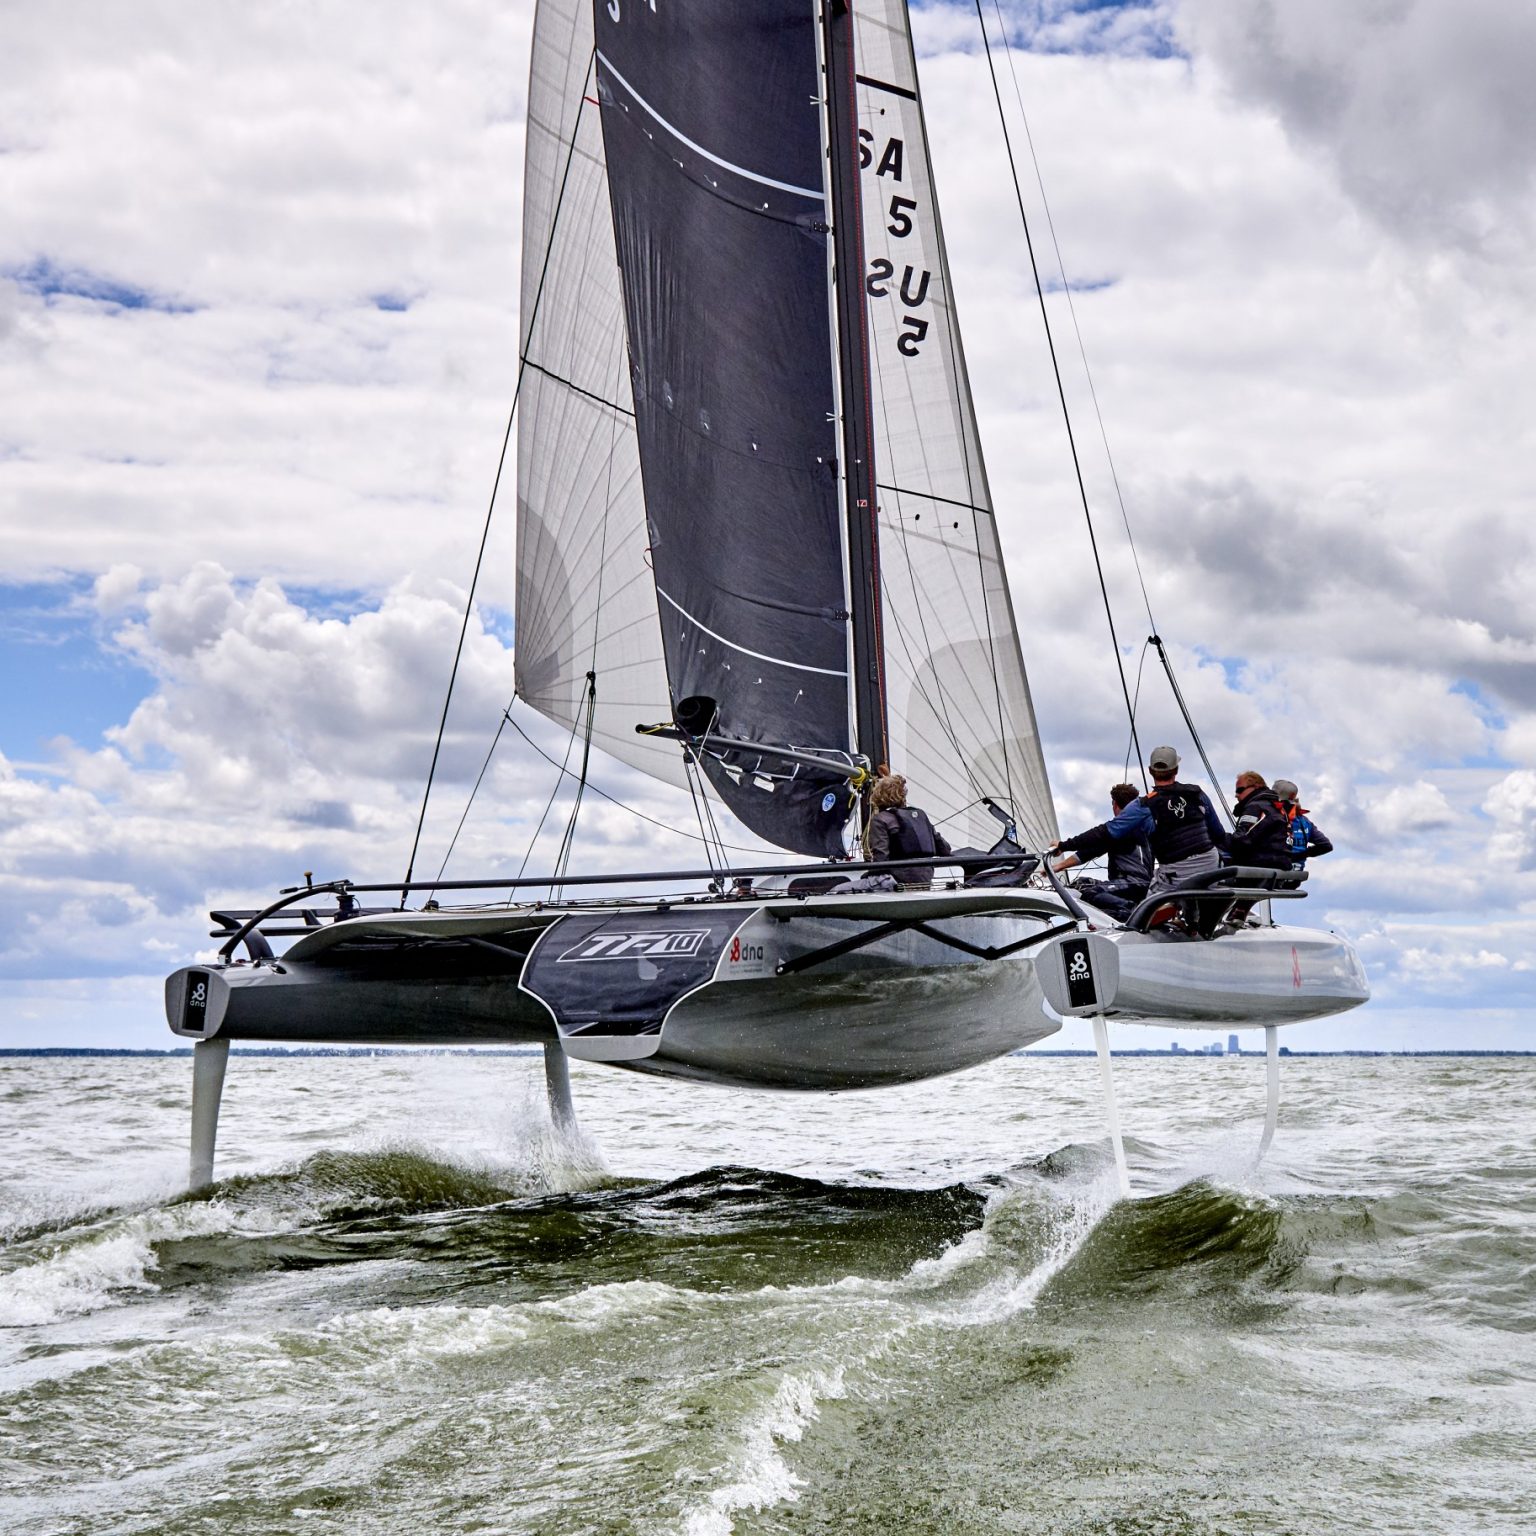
x=586, y=600
x=961, y=722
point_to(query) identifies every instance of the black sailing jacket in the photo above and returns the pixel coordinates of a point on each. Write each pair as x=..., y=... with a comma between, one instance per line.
x=1263, y=832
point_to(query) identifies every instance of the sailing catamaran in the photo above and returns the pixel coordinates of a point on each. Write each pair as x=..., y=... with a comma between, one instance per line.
x=757, y=558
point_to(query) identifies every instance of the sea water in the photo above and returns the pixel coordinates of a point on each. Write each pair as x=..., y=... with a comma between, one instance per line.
x=408, y=1305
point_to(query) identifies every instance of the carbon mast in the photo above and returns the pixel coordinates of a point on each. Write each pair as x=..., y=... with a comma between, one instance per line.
x=861, y=512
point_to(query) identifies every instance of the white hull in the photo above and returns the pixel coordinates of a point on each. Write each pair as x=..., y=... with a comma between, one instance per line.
x=1266, y=975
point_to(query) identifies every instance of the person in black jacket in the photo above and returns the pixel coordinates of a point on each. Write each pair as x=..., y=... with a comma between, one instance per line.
x=1125, y=839
x=1262, y=832
x=898, y=830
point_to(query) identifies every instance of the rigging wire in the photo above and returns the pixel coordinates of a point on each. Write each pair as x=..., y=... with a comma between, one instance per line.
x=1061, y=392
x=1077, y=330
x=479, y=778
x=655, y=821
x=563, y=857
x=548, y=806
x=1114, y=473
x=501, y=461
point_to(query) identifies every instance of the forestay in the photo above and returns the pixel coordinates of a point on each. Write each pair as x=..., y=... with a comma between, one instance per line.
x=961, y=721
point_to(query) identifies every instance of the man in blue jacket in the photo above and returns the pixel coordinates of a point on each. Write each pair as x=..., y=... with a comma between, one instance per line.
x=1125, y=837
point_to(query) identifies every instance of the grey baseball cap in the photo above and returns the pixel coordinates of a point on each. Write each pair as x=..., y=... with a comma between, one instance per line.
x=1163, y=759
x=1284, y=789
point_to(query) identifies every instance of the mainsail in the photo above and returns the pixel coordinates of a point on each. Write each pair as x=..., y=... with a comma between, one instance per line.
x=681, y=534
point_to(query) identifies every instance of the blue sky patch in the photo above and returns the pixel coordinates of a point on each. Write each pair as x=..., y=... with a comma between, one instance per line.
x=62, y=679
x=49, y=281
x=394, y=303
x=1132, y=28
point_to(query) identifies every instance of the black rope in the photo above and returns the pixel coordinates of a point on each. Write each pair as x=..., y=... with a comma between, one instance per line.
x=1189, y=722
x=1136, y=704
x=501, y=461
x=1061, y=392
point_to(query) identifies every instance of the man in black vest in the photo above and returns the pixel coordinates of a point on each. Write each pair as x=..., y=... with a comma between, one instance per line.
x=1125, y=839
x=1185, y=831
x=898, y=831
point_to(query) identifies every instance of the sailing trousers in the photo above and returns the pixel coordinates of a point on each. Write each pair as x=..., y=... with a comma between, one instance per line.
x=1182, y=869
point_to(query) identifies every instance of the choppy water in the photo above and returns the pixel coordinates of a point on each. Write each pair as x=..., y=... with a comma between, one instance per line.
x=409, y=1307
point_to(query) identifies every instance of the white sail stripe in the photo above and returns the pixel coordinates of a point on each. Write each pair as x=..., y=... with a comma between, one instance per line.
x=777, y=661
x=698, y=149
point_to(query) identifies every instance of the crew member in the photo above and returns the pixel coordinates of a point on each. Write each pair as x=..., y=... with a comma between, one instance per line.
x=1307, y=841
x=901, y=831
x=1126, y=838
x=1261, y=836
x=1185, y=832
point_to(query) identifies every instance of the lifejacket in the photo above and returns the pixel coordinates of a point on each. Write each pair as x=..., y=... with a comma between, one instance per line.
x=1179, y=829
x=911, y=838
x=1301, y=830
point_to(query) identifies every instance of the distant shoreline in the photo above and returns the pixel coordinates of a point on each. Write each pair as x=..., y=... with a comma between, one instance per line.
x=534, y=1050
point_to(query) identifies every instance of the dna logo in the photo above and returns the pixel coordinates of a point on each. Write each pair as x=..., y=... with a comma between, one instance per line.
x=1078, y=970
x=200, y=995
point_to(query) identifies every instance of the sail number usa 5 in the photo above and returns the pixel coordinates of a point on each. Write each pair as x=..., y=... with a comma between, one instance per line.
x=910, y=289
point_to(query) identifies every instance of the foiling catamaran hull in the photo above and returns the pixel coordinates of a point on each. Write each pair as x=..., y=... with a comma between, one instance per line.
x=820, y=992
x=811, y=991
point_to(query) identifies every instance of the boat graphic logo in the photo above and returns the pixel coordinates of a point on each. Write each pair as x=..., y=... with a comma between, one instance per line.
x=652, y=944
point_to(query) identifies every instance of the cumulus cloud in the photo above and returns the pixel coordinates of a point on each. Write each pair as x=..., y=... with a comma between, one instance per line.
x=1422, y=106
x=257, y=340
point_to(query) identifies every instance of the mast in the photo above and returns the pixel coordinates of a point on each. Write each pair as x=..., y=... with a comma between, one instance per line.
x=852, y=321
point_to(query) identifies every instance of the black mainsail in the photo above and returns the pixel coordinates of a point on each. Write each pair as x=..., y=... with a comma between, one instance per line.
x=750, y=494
x=712, y=133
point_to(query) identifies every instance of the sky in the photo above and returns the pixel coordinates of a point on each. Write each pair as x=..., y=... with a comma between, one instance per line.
x=258, y=321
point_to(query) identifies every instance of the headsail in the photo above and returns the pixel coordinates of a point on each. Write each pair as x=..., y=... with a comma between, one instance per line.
x=585, y=598
x=960, y=718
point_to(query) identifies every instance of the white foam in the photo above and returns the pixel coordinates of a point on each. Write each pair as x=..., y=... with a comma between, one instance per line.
x=393, y=1335
x=1076, y=1216
x=85, y=1274
x=759, y=1474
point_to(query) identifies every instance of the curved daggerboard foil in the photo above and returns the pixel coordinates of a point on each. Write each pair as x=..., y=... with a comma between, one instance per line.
x=585, y=597
x=712, y=137
x=961, y=722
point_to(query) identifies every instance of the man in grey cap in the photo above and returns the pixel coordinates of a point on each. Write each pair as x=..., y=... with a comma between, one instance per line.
x=1307, y=840
x=1185, y=830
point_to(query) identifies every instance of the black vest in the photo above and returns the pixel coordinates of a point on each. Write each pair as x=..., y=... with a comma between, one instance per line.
x=911, y=838
x=1179, y=829
x=1263, y=835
